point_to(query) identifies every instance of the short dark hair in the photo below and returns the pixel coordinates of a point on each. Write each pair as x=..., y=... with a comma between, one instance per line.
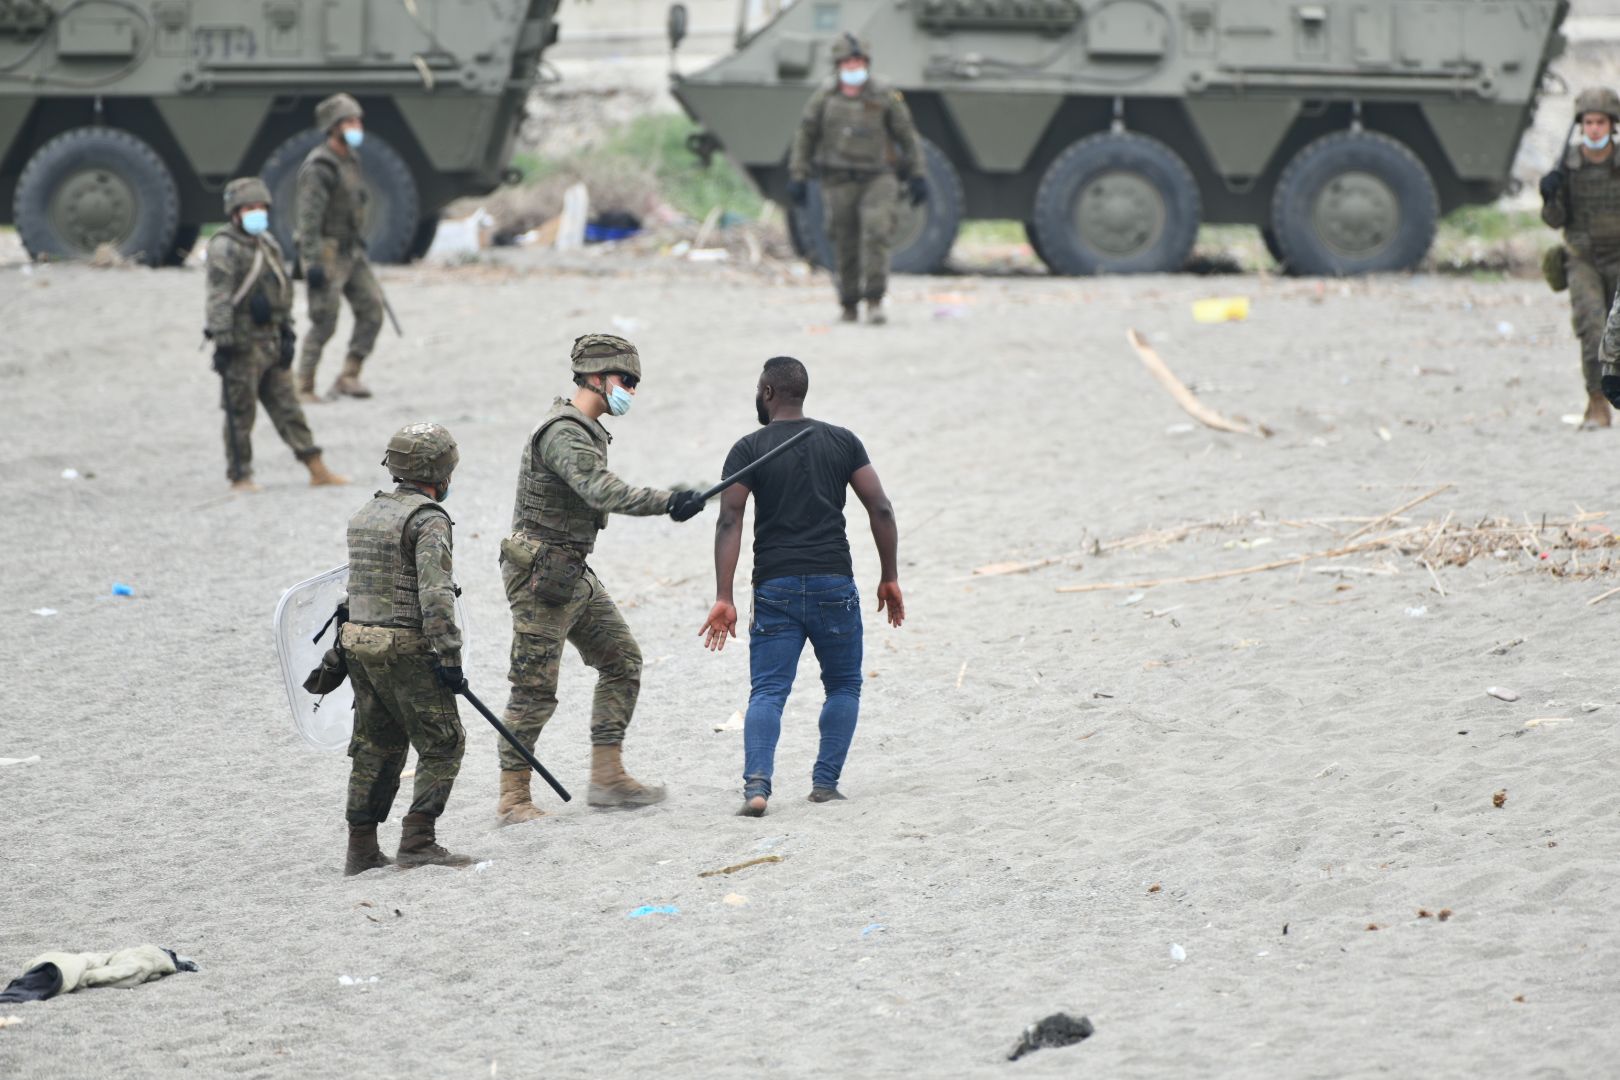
x=787, y=377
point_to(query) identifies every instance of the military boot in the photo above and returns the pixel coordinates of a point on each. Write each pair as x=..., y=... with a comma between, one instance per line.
x=1597, y=413
x=874, y=313
x=515, y=804
x=364, y=854
x=851, y=313
x=348, y=384
x=245, y=486
x=417, y=846
x=306, y=388
x=321, y=476
x=612, y=786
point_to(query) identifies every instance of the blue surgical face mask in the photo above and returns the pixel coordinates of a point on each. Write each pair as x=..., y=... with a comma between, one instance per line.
x=852, y=76
x=255, y=222
x=354, y=137
x=1595, y=144
x=619, y=400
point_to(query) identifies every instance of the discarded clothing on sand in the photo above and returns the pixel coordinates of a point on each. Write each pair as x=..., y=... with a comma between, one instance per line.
x=55, y=973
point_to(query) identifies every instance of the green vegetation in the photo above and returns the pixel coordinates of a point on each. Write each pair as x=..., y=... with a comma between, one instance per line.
x=1490, y=223
x=656, y=145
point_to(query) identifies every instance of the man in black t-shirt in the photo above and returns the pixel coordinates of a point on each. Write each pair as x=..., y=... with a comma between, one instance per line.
x=804, y=583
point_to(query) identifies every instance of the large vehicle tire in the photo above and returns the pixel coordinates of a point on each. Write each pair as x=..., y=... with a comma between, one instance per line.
x=426, y=230
x=392, y=212
x=1354, y=203
x=1116, y=203
x=923, y=234
x=1269, y=238
x=1034, y=239
x=96, y=186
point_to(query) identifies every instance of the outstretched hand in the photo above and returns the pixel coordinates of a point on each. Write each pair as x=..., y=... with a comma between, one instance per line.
x=888, y=594
x=721, y=624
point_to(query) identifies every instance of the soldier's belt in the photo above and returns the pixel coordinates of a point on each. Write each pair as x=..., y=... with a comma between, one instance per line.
x=850, y=176
x=368, y=642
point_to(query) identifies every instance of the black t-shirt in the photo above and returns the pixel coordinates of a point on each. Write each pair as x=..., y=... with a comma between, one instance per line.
x=799, y=498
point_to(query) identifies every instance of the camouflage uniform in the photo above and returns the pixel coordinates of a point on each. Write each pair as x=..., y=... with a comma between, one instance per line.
x=1587, y=207
x=860, y=148
x=331, y=235
x=247, y=274
x=403, y=652
x=564, y=496
x=402, y=622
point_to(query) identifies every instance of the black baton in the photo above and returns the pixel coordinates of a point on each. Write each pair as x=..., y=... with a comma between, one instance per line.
x=519, y=747
x=756, y=463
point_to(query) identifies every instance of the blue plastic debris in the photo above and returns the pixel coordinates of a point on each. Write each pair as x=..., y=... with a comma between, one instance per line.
x=873, y=928
x=653, y=909
x=120, y=589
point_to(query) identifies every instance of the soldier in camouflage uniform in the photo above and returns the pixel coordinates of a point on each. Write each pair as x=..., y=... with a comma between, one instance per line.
x=331, y=247
x=404, y=652
x=249, y=320
x=1582, y=197
x=857, y=137
x=564, y=496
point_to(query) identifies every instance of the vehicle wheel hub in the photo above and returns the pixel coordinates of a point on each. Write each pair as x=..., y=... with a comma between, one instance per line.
x=1120, y=213
x=92, y=208
x=1356, y=215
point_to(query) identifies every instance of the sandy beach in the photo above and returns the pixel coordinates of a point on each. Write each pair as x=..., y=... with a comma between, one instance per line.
x=1273, y=772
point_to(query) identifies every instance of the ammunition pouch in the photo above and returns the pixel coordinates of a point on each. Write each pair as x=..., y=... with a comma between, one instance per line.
x=259, y=308
x=1555, y=267
x=550, y=572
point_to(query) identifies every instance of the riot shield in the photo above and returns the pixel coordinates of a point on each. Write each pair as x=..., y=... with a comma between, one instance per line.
x=323, y=722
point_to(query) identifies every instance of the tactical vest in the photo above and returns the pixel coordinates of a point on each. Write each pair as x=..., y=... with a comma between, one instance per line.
x=382, y=574
x=854, y=132
x=546, y=507
x=263, y=270
x=345, y=218
x=1593, y=231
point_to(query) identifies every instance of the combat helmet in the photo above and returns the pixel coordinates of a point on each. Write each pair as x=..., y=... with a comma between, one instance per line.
x=424, y=452
x=336, y=109
x=245, y=191
x=598, y=354
x=847, y=47
x=1598, y=99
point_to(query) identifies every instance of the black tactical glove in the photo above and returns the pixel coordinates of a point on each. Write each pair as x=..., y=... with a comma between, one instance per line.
x=259, y=308
x=451, y=677
x=685, y=505
x=799, y=192
x=1551, y=185
x=222, y=357
x=316, y=276
x=1611, y=389
x=289, y=346
x=917, y=190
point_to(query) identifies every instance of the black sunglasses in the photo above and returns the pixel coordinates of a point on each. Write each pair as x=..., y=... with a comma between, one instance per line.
x=626, y=378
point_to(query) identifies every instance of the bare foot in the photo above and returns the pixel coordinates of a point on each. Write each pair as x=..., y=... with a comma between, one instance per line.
x=754, y=806
x=826, y=794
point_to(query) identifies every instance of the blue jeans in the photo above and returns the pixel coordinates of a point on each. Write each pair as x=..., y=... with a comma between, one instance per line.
x=826, y=609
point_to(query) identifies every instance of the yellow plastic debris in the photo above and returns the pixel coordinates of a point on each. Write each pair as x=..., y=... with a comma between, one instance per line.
x=1221, y=309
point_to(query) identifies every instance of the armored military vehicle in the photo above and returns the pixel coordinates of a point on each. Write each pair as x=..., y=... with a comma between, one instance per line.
x=121, y=120
x=1113, y=128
